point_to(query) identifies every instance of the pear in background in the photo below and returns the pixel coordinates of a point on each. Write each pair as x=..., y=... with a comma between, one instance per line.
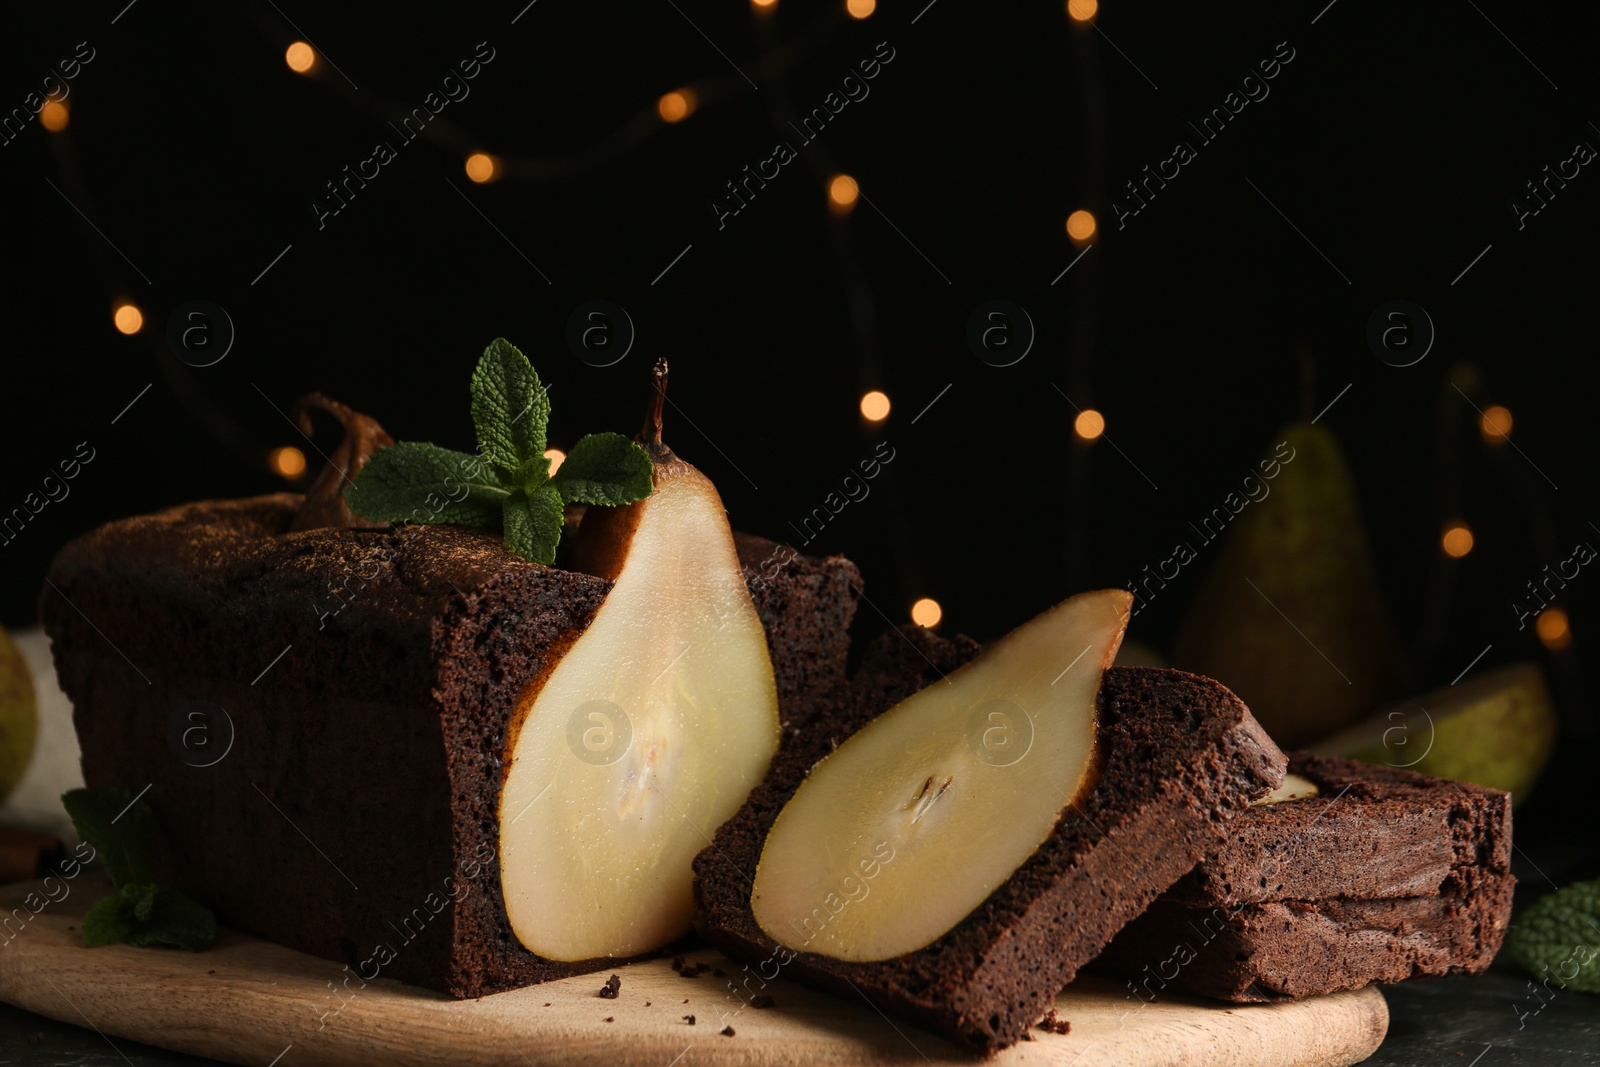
x=19, y=716
x=1289, y=616
x=1495, y=730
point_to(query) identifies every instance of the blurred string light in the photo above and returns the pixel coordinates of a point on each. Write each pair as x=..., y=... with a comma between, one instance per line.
x=300, y=57
x=764, y=6
x=128, y=319
x=860, y=8
x=556, y=458
x=289, y=462
x=875, y=406
x=1495, y=425
x=927, y=612
x=1082, y=10
x=1080, y=225
x=1457, y=540
x=482, y=167
x=677, y=105
x=1089, y=424
x=53, y=116
x=842, y=194
x=1553, y=628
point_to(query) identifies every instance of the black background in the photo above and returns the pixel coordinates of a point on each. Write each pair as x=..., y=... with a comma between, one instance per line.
x=1395, y=141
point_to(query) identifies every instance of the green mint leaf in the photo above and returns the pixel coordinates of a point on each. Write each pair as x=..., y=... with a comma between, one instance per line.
x=427, y=484
x=109, y=922
x=149, y=915
x=167, y=917
x=1559, y=938
x=510, y=407
x=605, y=468
x=119, y=830
x=533, y=524
x=533, y=473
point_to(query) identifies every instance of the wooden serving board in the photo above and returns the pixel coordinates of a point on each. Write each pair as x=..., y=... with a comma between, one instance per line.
x=249, y=1001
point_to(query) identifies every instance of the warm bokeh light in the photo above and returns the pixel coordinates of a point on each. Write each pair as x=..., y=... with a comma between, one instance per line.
x=1495, y=424
x=481, y=167
x=676, y=106
x=556, y=458
x=926, y=612
x=1457, y=540
x=1080, y=225
x=1089, y=424
x=1082, y=10
x=1553, y=628
x=842, y=193
x=861, y=8
x=300, y=57
x=874, y=406
x=53, y=116
x=290, y=462
x=764, y=5
x=128, y=319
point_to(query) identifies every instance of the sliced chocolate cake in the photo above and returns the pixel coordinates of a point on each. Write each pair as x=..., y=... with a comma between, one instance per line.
x=1367, y=874
x=1174, y=758
x=320, y=718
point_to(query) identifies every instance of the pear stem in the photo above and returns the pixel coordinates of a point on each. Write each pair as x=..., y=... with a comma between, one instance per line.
x=651, y=434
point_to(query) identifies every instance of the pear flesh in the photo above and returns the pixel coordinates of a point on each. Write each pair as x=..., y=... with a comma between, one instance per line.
x=1293, y=787
x=906, y=827
x=646, y=736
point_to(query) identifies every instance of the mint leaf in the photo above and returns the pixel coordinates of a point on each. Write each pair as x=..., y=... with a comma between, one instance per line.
x=427, y=484
x=533, y=524
x=117, y=828
x=1559, y=938
x=605, y=468
x=167, y=917
x=510, y=407
x=109, y=922
x=139, y=912
x=149, y=915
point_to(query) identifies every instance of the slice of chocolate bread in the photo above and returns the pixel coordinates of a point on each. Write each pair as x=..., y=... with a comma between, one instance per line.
x=1179, y=755
x=1384, y=874
x=1289, y=949
x=1371, y=831
x=319, y=718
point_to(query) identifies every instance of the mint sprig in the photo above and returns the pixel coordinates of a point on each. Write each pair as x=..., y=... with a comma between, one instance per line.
x=119, y=828
x=509, y=486
x=1559, y=937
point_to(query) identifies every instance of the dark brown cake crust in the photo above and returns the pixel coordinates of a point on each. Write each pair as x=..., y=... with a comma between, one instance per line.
x=1286, y=950
x=368, y=676
x=1373, y=831
x=1180, y=755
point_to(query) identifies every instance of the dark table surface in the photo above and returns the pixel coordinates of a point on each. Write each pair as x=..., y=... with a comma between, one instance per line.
x=1488, y=1021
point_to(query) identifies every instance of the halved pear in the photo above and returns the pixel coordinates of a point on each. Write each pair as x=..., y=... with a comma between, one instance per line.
x=907, y=826
x=646, y=736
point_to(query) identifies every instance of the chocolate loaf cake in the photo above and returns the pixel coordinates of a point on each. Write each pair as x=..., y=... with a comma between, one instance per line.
x=1179, y=755
x=1383, y=875
x=1372, y=831
x=354, y=688
x=1289, y=949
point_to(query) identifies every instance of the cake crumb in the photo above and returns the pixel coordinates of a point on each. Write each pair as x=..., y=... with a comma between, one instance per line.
x=677, y=963
x=688, y=1018
x=610, y=989
x=718, y=972
x=726, y=1031
x=1054, y=1024
x=647, y=1003
x=762, y=1000
x=611, y=1018
x=1028, y=1037
x=547, y=1004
